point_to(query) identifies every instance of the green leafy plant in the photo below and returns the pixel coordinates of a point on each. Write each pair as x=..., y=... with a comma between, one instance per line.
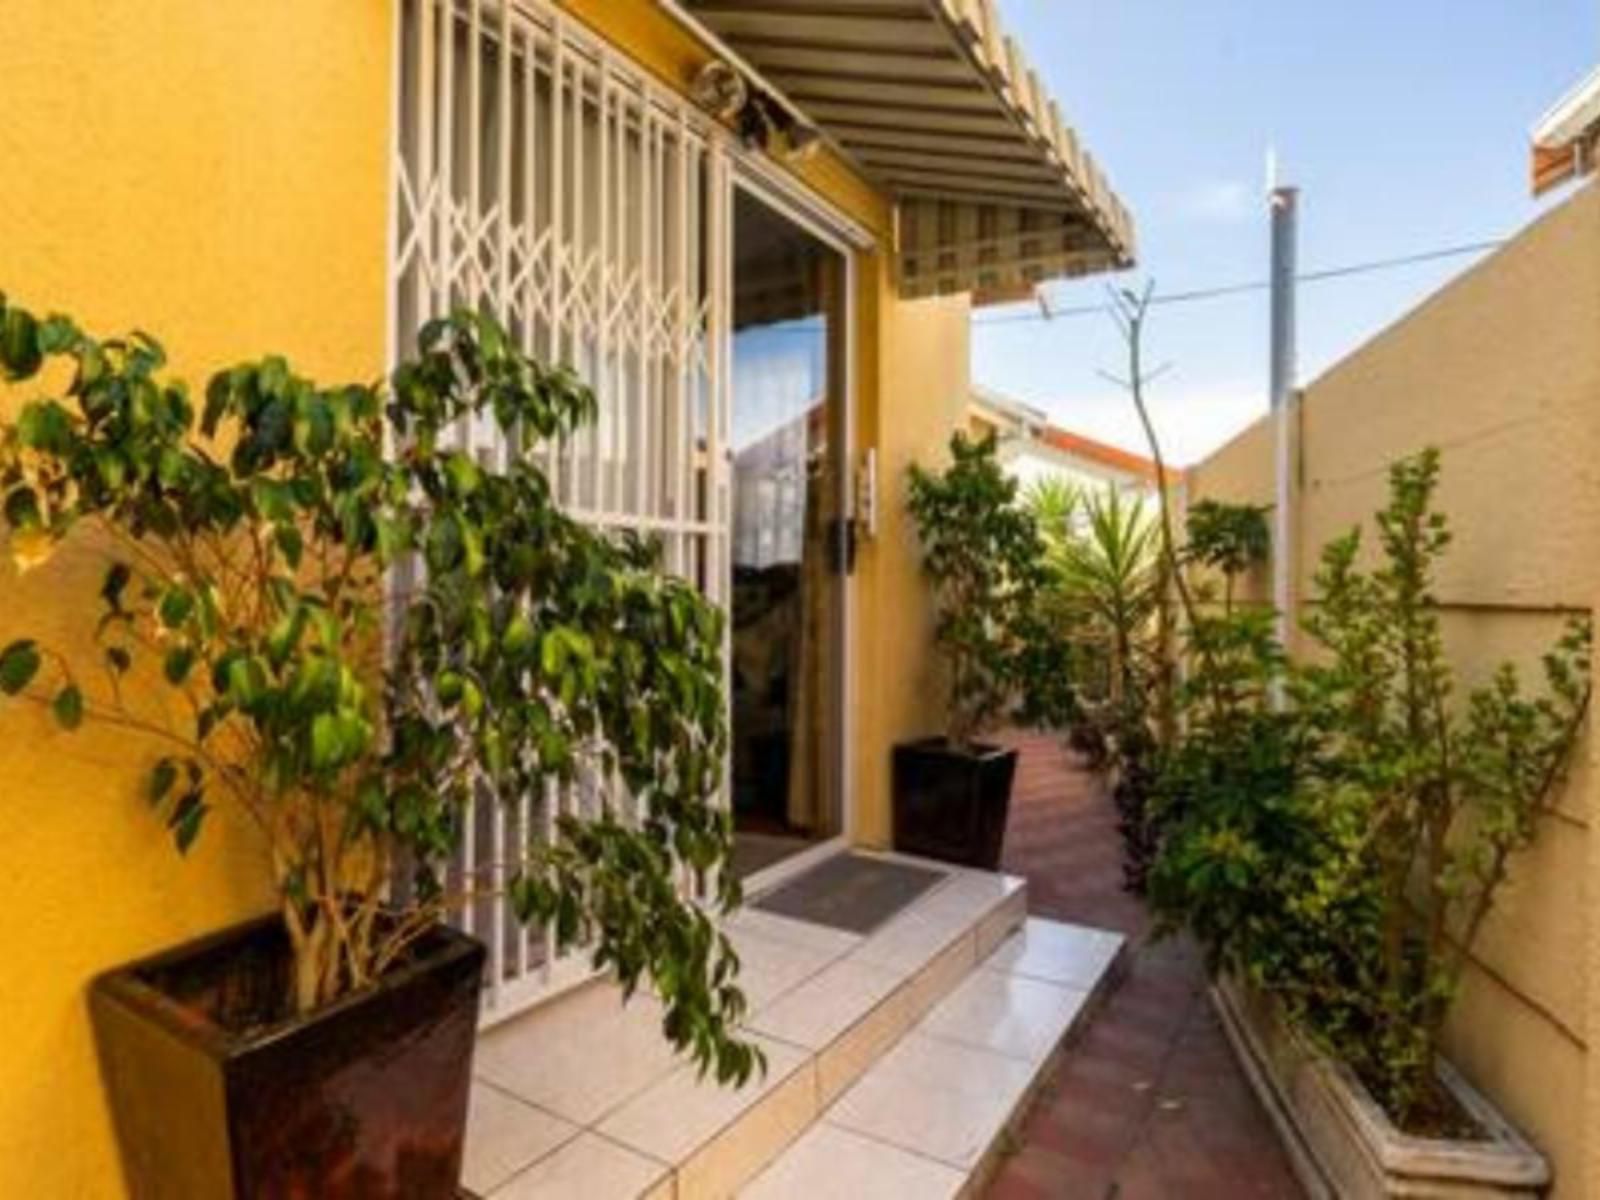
x=1104, y=590
x=1344, y=853
x=361, y=628
x=983, y=554
x=1107, y=572
x=1230, y=538
x=1055, y=504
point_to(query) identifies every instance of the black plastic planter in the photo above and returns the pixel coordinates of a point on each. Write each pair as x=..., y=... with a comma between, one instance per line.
x=365, y=1099
x=951, y=803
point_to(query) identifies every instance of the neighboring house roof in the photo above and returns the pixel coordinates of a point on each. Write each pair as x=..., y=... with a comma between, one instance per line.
x=938, y=106
x=1565, y=139
x=1079, y=446
x=1027, y=424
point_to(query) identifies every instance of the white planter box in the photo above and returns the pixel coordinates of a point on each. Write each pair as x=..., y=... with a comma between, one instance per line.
x=1343, y=1145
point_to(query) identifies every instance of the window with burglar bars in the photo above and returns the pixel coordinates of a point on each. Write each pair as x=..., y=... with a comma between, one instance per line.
x=541, y=177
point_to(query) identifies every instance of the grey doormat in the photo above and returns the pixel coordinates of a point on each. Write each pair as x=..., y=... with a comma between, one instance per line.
x=850, y=892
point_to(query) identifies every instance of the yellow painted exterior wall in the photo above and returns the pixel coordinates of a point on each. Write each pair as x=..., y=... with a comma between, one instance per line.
x=918, y=398
x=217, y=173
x=1501, y=370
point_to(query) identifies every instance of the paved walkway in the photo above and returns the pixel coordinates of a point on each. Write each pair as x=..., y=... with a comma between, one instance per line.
x=1149, y=1104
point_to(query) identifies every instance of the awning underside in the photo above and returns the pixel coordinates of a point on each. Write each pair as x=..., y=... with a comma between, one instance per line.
x=935, y=103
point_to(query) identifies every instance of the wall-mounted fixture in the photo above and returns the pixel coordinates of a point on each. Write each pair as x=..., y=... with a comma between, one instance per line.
x=720, y=90
x=867, y=494
x=758, y=117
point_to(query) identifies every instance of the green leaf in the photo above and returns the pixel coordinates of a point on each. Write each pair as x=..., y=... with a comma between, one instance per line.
x=247, y=680
x=116, y=581
x=56, y=334
x=218, y=393
x=273, y=499
x=162, y=776
x=19, y=663
x=22, y=508
x=45, y=425
x=519, y=636
x=176, y=605
x=290, y=544
x=68, y=707
x=465, y=475
x=187, y=817
x=327, y=741
x=20, y=355
x=179, y=661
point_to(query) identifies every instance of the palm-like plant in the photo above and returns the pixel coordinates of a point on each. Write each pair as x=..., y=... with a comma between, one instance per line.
x=1054, y=502
x=1109, y=576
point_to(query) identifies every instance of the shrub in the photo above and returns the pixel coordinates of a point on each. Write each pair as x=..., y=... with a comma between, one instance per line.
x=1230, y=538
x=983, y=554
x=1345, y=852
x=251, y=542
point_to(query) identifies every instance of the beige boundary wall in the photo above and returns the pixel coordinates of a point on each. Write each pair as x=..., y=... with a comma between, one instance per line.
x=1501, y=371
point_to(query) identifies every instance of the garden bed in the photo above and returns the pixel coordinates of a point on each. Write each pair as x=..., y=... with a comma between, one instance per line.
x=1340, y=1140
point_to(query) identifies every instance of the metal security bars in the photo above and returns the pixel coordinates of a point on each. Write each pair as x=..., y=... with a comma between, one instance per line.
x=540, y=176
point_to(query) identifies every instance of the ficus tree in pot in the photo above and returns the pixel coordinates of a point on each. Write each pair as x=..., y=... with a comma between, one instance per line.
x=984, y=559
x=361, y=628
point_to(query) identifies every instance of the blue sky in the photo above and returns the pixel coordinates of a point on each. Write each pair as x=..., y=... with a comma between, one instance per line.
x=1404, y=122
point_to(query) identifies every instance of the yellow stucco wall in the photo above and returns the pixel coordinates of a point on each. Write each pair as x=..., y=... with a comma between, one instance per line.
x=1501, y=370
x=214, y=172
x=916, y=394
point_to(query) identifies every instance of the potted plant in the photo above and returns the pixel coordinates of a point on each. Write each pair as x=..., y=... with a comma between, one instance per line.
x=1337, y=855
x=983, y=555
x=323, y=613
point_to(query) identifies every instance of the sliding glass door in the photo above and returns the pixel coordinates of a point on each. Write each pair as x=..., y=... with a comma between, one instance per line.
x=786, y=485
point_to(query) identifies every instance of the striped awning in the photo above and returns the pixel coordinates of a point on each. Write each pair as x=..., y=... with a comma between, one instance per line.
x=934, y=102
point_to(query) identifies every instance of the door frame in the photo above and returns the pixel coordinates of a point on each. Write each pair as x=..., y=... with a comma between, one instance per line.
x=779, y=191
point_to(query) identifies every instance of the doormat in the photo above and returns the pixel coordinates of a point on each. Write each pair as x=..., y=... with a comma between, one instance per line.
x=850, y=892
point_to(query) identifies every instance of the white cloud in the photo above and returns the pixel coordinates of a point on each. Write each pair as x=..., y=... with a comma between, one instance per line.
x=1219, y=201
x=1191, y=422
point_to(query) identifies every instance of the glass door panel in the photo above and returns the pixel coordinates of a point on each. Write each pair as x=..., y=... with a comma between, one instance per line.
x=785, y=483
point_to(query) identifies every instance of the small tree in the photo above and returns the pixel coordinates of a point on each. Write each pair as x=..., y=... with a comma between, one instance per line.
x=982, y=551
x=1230, y=538
x=1344, y=853
x=250, y=544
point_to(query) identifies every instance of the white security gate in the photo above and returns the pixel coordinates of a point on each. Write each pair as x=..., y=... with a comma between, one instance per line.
x=540, y=176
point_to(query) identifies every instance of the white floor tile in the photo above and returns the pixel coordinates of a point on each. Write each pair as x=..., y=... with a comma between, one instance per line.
x=673, y=1118
x=586, y=1168
x=826, y=1005
x=504, y=1135
x=914, y=938
x=785, y=929
x=580, y=1056
x=1057, y=953
x=937, y=1098
x=829, y=1163
x=1011, y=1014
x=973, y=892
x=768, y=968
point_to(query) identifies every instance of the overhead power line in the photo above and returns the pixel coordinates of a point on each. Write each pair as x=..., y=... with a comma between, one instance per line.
x=1261, y=285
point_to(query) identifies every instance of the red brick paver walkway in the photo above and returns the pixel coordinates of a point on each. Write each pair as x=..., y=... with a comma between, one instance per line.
x=1149, y=1104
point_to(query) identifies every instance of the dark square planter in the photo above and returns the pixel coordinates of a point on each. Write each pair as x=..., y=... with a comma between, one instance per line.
x=365, y=1099
x=951, y=803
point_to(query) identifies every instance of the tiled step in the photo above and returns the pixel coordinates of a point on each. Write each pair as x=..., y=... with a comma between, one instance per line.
x=582, y=1098
x=929, y=1119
